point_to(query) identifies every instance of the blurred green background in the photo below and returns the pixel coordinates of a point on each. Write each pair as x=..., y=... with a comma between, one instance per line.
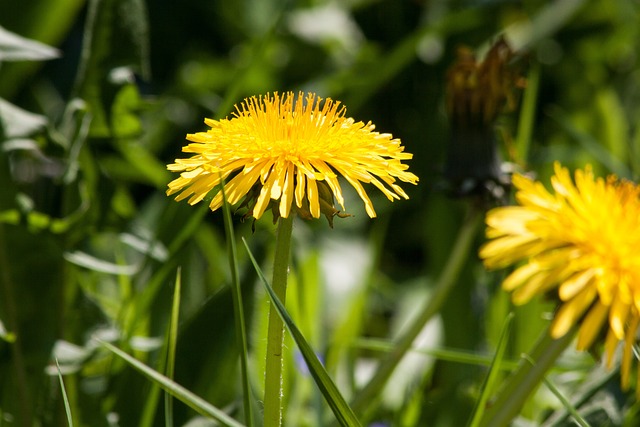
x=96, y=98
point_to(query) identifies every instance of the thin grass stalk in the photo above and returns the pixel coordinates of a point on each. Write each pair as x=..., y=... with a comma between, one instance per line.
x=275, y=331
x=492, y=376
x=65, y=399
x=241, y=330
x=527, y=114
x=366, y=397
x=566, y=403
x=172, y=342
x=193, y=401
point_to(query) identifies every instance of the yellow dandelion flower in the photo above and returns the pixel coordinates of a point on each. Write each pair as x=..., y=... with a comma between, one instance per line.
x=289, y=151
x=581, y=240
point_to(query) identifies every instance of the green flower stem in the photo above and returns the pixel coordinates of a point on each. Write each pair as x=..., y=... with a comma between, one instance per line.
x=275, y=333
x=459, y=255
x=525, y=379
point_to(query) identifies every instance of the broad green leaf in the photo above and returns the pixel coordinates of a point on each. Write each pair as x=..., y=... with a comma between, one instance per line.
x=125, y=122
x=332, y=395
x=115, y=37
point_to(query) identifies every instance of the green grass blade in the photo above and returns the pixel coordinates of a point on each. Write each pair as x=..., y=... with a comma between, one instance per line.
x=444, y=354
x=168, y=359
x=196, y=403
x=494, y=370
x=172, y=341
x=565, y=402
x=527, y=115
x=520, y=383
x=595, y=382
x=334, y=398
x=67, y=407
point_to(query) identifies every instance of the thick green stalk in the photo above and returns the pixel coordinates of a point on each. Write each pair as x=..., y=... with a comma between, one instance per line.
x=275, y=333
x=506, y=406
x=459, y=255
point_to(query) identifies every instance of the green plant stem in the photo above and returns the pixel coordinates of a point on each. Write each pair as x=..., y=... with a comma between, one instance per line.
x=275, y=333
x=366, y=397
x=524, y=380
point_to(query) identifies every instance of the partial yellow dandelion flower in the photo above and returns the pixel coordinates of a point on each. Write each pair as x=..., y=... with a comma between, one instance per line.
x=582, y=241
x=288, y=150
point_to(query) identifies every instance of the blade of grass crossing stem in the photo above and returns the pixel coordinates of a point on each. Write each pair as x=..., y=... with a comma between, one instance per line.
x=517, y=387
x=444, y=354
x=238, y=310
x=193, y=401
x=172, y=340
x=67, y=407
x=565, y=402
x=336, y=401
x=494, y=370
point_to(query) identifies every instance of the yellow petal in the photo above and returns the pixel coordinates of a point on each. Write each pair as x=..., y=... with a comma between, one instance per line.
x=618, y=316
x=591, y=325
x=575, y=284
x=570, y=311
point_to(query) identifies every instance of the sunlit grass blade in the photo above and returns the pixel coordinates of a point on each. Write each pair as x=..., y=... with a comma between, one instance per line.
x=67, y=407
x=332, y=395
x=494, y=370
x=595, y=382
x=176, y=390
x=238, y=306
x=172, y=340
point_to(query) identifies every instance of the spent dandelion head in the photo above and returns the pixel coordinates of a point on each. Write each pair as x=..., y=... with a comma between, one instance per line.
x=287, y=151
x=477, y=92
x=581, y=242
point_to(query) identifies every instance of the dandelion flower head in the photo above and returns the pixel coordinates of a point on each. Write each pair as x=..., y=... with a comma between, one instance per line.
x=288, y=151
x=581, y=240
